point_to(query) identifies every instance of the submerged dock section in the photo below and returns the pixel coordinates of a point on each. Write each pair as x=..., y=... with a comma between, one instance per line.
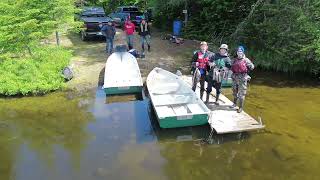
x=223, y=119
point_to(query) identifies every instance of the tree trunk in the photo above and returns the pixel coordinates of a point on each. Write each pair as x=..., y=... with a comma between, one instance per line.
x=29, y=50
x=57, y=38
x=186, y=14
x=241, y=26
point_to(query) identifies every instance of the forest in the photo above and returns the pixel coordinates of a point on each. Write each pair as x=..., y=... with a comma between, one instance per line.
x=279, y=35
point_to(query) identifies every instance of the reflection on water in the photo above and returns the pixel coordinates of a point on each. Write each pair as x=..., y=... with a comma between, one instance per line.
x=36, y=128
x=69, y=136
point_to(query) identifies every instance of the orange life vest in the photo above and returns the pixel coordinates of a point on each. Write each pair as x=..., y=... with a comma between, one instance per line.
x=202, y=60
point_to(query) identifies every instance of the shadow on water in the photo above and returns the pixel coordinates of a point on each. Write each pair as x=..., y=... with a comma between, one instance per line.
x=101, y=77
x=276, y=80
x=39, y=127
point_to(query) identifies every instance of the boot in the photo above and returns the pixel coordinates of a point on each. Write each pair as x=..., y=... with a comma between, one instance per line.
x=149, y=48
x=241, y=101
x=207, y=98
x=142, y=48
x=217, y=100
x=201, y=95
x=234, y=105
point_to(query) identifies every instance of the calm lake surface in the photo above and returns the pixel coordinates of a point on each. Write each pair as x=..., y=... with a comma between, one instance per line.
x=67, y=136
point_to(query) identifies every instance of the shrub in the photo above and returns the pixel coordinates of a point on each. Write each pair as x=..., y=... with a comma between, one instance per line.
x=36, y=74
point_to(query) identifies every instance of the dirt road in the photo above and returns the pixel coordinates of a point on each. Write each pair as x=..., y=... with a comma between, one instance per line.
x=90, y=57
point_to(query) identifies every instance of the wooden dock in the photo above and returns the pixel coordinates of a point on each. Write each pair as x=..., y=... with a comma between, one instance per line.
x=223, y=119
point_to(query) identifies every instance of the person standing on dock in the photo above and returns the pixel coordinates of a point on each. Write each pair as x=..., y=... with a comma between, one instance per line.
x=240, y=67
x=200, y=63
x=219, y=67
x=144, y=32
x=129, y=28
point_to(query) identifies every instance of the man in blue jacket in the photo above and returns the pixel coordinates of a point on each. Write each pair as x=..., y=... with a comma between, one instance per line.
x=109, y=32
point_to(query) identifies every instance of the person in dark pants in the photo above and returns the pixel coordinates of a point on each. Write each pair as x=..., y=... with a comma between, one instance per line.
x=219, y=68
x=109, y=32
x=144, y=32
x=200, y=60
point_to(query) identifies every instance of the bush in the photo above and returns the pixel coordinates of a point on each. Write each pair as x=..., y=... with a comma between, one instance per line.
x=284, y=37
x=36, y=74
x=281, y=35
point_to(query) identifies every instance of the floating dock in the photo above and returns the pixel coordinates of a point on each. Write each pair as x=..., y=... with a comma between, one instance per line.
x=224, y=119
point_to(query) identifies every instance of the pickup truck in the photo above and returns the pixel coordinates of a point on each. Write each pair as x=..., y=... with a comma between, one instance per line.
x=92, y=17
x=123, y=12
x=119, y=18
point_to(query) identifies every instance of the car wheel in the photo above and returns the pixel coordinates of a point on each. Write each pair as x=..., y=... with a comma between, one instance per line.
x=84, y=37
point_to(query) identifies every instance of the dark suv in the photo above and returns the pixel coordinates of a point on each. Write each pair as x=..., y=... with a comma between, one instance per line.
x=135, y=15
x=92, y=17
x=119, y=18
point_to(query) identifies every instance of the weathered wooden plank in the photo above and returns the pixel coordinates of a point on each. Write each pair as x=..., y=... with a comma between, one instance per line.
x=223, y=119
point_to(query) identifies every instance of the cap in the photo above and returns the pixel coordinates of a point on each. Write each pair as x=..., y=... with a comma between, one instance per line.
x=224, y=46
x=240, y=48
x=204, y=43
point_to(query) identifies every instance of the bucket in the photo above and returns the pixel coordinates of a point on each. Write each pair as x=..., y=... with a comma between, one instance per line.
x=177, y=26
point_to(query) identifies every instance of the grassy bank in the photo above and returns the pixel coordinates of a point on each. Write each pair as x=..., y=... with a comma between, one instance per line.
x=33, y=75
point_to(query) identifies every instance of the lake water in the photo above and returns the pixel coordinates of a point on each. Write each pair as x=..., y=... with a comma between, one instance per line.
x=90, y=136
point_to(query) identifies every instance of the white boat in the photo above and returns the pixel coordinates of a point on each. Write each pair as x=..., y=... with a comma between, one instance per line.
x=174, y=102
x=122, y=74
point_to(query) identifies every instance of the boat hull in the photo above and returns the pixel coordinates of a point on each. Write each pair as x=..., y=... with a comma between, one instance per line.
x=176, y=122
x=123, y=90
x=122, y=74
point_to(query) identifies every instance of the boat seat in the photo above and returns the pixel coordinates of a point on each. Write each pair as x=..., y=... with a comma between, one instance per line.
x=164, y=111
x=165, y=89
x=196, y=108
x=172, y=99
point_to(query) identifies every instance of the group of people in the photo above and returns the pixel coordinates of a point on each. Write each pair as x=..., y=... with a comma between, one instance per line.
x=129, y=28
x=214, y=67
x=207, y=66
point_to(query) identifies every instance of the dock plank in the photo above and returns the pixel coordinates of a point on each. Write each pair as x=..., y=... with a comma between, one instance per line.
x=224, y=119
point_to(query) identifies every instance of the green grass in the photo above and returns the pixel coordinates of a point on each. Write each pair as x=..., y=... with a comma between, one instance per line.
x=33, y=75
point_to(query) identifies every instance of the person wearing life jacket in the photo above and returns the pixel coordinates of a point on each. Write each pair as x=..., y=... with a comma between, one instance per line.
x=240, y=67
x=144, y=32
x=129, y=29
x=219, y=67
x=200, y=61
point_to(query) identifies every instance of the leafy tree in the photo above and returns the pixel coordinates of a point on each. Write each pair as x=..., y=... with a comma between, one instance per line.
x=24, y=23
x=20, y=26
x=27, y=66
x=61, y=14
x=282, y=35
x=285, y=35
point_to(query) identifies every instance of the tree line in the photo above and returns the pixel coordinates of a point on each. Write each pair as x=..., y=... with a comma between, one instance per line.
x=280, y=35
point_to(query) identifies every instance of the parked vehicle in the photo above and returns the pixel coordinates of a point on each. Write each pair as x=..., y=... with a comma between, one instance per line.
x=92, y=17
x=135, y=15
x=119, y=18
x=149, y=14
